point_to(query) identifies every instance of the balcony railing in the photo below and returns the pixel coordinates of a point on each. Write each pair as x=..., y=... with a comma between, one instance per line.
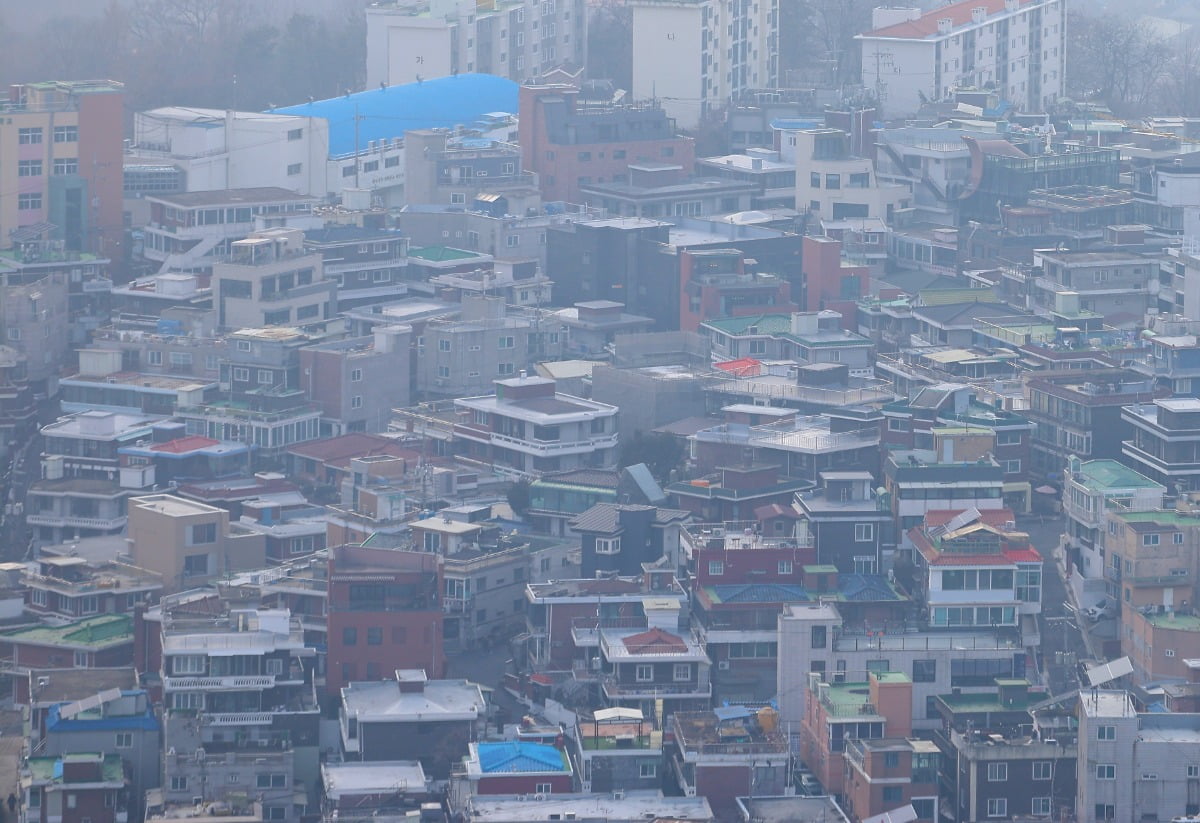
x=615, y=689
x=233, y=683
x=66, y=521
x=238, y=718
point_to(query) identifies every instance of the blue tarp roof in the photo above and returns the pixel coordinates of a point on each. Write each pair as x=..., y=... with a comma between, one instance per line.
x=724, y=713
x=516, y=757
x=386, y=113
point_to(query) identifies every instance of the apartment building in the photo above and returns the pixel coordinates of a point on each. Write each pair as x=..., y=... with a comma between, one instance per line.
x=528, y=428
x=570, y=140
x=240, y=711
x=804, y=338
x=190, y=231
x=100, y=641
x=1108, y=283
x=71, y=587
x=189, y=543
x=880, y=773
x=920, y=481
x=470, y=173
x=1165, y=441
x=1015, y=46
x=699, y=56
x=849, y=521
x=270, y=279
x=833, y=183
x=60, y=145
x=410, y=41
x=74, y=788
x=814, y=637
x=357, y=381
x=369, y=265
x=384, y=612
x=603, y=764
x=217, y=149
x=1092, y=492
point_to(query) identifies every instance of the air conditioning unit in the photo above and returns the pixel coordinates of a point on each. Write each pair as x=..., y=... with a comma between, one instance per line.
x=441, y=381
x=476, y=348
x=723, y=665
x=481, y=173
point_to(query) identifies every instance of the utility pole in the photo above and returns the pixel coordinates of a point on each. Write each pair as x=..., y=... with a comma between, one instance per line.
x=357, y=162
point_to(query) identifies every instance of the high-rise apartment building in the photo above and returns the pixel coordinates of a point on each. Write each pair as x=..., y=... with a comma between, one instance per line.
x=697, y=55
x=60, y=160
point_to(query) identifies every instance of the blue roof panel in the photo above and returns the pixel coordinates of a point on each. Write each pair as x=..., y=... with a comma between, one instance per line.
x=444, y=102
x=517, y=757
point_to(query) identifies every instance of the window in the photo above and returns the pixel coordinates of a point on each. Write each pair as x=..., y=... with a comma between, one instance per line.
x=349, y=636
x=203, y=533
x=1040, y=807
x=716, y=567
x=29, y=202
x=1193, y=771
x=240, y=374
x=29, y=168
x=180, y=358
x=864, y=532
x=585, y=156
x=997, y=806
x=179, y=784
x=66, y=165
x=892, y=794
x=506, y=342
x=1043, y=770
x=644, y=673
x=1177, y=538
x=374, y=636
x=785, y=567
x=833, y=181
x=124, y=740
x=818, y=637
x=997, y=772
x=682, y=673
x=457, y=198
x=608, y=545
x=274, y=666
x=1150, y=539
x=234, y=777
x=543, y=788
x=896, y=424
x=1011, y=466
x=1105, y=811
x=356, y=401
x=648, y=770
x=355, y=375
x=391, y=162
x=294, y=169
x=1106, y=733
x=265, y=377
x=63, y=134
x=271, y=781
x=1106, y=771
x=443, y=345
x=924, y=671
x=187, y=664
x=506, y=368
x=814, y=180
x=512, y=241
x=30, y=136
x=891, y=760
x=295, y=134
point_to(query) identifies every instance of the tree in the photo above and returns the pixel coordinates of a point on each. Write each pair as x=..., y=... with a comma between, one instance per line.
x=610, y=43
x=519, y=498
x=817, y=39
x=1117, y=60
x=662, y=453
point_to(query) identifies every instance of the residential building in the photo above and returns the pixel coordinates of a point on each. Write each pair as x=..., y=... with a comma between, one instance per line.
x=357, y=381
x=61, y=143
x=38, y=325
x=383, y=612
x=215, y=149
x=729, y=752
x=564, y=616
x=102, y=641
x=1114, y=284
x=833, y=183
x=883, y=772
x=248, y=668
x=592, y=326
x=1166, y=198
x=680, y=55
x=972, y=573
x=43, y=688
x=1069, y=407
x=658, y=671
x=1174, y=349
x=1131, y=764
x=571, y=140
x=369, y=265
x=850, y=522
x=270, y=280
x=413, y=718
x=717, y=285
x=1166, y=433
x=411, y=42
x=919, y=481
x=617, y=749
x=516, y=767
x=1015, y=46
x=78, y=786
x=632, y=807
x=1093, y=490
x=803, y=338
x=189, y=543
x=528, y=428
x=470, y=173
x=772, y=172
x=994, y=766
x=190, y=231
x=359, y=790
x=464, y=356
x=620, y=537
x=69, y=588
x=814, y=637
x=657, y=189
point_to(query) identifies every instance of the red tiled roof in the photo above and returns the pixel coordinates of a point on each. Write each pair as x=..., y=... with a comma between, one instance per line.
x=996, y=518
x=179, y=445
x=775, y=510
x=1024, y=555
x=746, y=367
x=927, y=24
x=654, y=641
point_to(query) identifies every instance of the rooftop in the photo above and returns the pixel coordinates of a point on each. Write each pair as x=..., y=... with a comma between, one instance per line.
x=223, y=197
x=517, y=757
x=380, y=777
x=91, y=633
x=50, y=769
x=1102, y=475
x=439, y=700
x=66, y=685
x=631, y=806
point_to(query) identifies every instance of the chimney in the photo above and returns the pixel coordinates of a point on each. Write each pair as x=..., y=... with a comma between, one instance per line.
x=945, y=25
x=979, y=14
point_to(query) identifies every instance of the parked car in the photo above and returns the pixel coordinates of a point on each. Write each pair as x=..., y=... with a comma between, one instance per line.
x=1105, y=608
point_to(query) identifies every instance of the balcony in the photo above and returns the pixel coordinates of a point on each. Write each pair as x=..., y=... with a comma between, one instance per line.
x=1112, y=574
x=238, y=718
x=68, y=522
x=585, y=631
x=219, y=684
x=615, y=690
x=546, y=448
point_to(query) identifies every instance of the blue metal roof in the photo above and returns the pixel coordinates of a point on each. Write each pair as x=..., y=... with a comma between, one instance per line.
x=515, y=757
x=444, y=102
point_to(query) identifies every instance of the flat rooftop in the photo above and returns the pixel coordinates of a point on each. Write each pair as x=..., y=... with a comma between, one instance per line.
x=380, y=777
x=172, y=506
x=91, y=633
x=439, y=700
x=221, y=197
x=633, y=806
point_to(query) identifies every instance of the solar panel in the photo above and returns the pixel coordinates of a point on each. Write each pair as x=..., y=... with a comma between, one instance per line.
x=88, y=703
x=27, y=234
x=1107, y=672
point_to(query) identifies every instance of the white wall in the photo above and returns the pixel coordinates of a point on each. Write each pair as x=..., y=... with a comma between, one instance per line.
x=400, y=47
x=666, y=59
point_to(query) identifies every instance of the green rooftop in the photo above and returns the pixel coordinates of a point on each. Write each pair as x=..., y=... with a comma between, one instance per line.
x=1164, y=517
x=97, y=632
x=891, y=677
x=780, y=325
x=1176, y=621
x=50, y=769
x=1109, y=474
x=848, y=700
x=441, y=254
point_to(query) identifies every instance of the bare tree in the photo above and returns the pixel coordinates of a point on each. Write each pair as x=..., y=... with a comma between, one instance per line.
x=1179, y=91
x=1118, y=60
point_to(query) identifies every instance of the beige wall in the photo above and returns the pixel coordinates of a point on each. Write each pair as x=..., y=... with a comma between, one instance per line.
x=161, y=540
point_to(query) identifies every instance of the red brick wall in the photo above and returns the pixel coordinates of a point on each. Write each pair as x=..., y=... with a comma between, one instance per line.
x=524, y=784
x=101, y=147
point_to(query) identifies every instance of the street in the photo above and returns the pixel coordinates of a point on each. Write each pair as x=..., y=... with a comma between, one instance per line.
x=1062, y=643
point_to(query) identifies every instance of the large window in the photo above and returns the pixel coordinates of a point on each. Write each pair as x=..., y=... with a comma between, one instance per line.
x=1043, y=769
x=202, y=534
x=997, y=807
x=644, y=673
x=1106, y=771
x=924, y=671
x=1106, y=732
x=608, y=545
x=1040, y=807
